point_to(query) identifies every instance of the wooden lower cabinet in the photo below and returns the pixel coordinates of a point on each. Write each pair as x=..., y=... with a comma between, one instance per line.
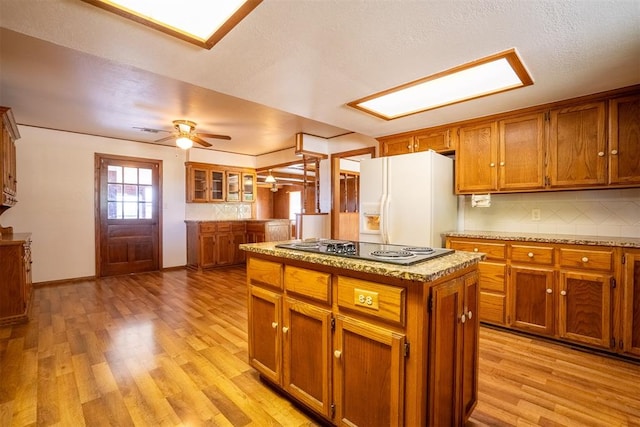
x=629, y=342
x=455, y=327
x=585, y=308
x=365, y=352
x=15, y=277
x=268, y=231
x=532, y=299
x=369, y=374
x=583, y=294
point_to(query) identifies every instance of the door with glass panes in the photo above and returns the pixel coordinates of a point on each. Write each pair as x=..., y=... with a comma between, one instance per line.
x=127, y=215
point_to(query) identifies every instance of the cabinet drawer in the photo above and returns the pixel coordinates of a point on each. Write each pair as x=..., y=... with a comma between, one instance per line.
x=309, y=283
x=373, y=299
x=223, y=227
x=264, y=272
x=493, y=250
x=492, y=276
x=532, y=254
x=492, y=308
x=238, y=226
x=582, y=258
x=207, y=227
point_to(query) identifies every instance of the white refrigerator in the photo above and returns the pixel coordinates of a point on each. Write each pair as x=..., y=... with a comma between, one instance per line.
x=407, y=199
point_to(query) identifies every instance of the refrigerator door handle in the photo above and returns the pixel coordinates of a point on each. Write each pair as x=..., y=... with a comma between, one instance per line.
x=385, y=218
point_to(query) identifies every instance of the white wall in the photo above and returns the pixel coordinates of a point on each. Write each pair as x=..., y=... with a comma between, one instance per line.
x=614, y=213
x=56, y=197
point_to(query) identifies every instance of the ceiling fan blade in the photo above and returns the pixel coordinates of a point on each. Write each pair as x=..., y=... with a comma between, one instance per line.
x=200, y=141
x=212, y=135
x=167, y=138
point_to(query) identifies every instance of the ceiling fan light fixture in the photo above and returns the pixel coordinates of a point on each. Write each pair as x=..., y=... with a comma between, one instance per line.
x=184, y=142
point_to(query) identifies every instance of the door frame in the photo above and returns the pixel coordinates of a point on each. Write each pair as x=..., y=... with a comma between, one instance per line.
x=335, y=183
x=98, y=157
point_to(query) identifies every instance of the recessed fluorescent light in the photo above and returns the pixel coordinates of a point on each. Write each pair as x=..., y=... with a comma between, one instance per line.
x=202, y=22
x=493, y=74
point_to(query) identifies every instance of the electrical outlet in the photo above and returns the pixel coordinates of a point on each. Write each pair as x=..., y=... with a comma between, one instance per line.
x=535, y=214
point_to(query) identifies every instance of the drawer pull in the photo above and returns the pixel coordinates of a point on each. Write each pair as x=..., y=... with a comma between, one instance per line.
x=563, y=293
x=585, y=259
x=285, y=329
x=337, y=354
x=475, y=249
x=274, y=325
x=530, y=254
x=549, y=290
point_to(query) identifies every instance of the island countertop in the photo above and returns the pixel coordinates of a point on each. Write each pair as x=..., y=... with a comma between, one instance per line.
x=427, y=271
x=626, y=242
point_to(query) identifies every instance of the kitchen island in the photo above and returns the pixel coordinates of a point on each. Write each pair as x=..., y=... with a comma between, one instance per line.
x=366, y=342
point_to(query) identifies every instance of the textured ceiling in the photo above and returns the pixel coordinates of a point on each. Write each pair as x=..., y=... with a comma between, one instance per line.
x=291, y=66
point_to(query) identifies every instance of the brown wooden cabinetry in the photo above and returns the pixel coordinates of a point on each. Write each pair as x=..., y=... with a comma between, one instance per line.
x=477, y=158
x=577, y=146
x=492, y=278
x=214, y=244
x=8, y=174
x=455, y=325
x=436, y=139
x=208, y=183
x=629, y=342
x=275, y=230
x=15, y=277
x=624, y=140
x=365, y=352
x=521, y=153
x=584, y=294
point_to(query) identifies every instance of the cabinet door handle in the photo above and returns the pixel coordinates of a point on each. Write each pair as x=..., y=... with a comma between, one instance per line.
x=409, y=146
x=501, y=163
x=274, y=325
x=285, y=329
x=493, y=165
x=463, y=318
x=601, y=153
x=337, y=354
x=469, y=315
x=549, y=290
x=563, y=293
x=530, y=254
x=585, y=259
x=475, y=249
x=415, y=145
x=614, y=152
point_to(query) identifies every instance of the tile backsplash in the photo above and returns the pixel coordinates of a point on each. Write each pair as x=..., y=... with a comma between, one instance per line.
x=614, y=213
x=217, y=211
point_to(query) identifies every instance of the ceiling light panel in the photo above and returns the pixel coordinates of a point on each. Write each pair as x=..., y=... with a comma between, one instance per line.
x=202, y=22
x=497, y=73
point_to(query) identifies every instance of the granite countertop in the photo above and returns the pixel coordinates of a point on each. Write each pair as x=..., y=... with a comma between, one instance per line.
x=426, y=271
x=627, y=242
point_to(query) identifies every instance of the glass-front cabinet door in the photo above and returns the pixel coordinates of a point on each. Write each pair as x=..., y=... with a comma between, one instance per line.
x=248, y=187
x=198, y=185
x=216, y=193
x=233, y=186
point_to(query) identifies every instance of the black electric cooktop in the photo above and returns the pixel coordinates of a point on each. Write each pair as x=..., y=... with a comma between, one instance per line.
x=393, y=254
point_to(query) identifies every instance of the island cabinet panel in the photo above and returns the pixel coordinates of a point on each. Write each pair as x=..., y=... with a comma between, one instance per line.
x=369, y=374
x=492, y=281
x=630, y=339
x=15, y=278
x=365, y=351
x=265, y=336
x=624, y=140
x=454, y=389
x=306, y=338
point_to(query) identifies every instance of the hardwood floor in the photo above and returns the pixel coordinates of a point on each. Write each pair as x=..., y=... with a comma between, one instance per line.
x=171, y=349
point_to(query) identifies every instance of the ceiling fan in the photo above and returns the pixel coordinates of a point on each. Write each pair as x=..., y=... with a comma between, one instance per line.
x=185, y=135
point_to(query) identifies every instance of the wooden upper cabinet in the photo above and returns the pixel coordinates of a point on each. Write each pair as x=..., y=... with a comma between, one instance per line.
x=577, y=146
x=436, y=140
x=521, y=153
x=396, y=145
x=204, y=184
x=477, y=158
x=624, y=140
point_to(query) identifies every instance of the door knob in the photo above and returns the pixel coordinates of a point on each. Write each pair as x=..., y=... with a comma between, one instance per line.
x=614, y=152
x=274, y=325
x=285, y=329
x=337, y=354
x=563, y=293
x=549, y=290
